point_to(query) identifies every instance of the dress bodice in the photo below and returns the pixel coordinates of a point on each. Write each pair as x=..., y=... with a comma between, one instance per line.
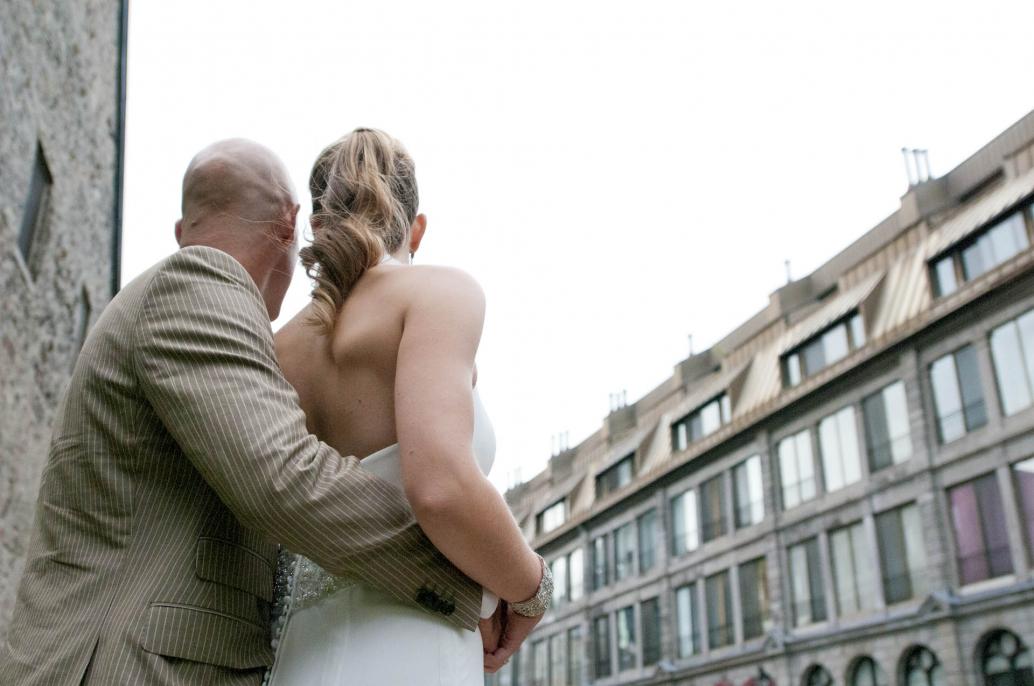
x=303, y=583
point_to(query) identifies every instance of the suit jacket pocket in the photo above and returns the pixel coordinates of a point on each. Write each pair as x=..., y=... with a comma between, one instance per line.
x=205, y=635
x=236, y=566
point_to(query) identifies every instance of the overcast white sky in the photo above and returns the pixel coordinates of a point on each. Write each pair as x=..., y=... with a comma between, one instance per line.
x=616, y=175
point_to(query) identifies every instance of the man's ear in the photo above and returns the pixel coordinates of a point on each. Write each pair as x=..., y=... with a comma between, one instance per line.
x=179, y=232
x=416, y=234
x=286, y=232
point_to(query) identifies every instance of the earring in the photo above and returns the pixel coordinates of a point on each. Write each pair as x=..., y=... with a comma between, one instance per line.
x=411, y=254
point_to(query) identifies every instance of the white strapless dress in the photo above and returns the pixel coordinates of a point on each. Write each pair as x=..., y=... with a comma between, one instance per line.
x=339, y=632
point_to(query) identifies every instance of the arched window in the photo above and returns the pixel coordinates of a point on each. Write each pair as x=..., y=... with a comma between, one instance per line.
x=817, y=675
x=1005, y=661
x=922, y=668
x=866, y=672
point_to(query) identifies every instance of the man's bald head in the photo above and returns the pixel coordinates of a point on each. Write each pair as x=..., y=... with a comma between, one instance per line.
x=234, y=192
x=235, y=179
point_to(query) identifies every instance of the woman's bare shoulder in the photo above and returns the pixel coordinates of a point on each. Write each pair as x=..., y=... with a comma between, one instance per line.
x=435, y=286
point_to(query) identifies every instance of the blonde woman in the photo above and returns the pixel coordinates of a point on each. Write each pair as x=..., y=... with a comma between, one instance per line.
x=383, y=362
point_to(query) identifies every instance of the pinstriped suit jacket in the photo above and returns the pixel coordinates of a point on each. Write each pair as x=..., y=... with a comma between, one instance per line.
x=179, y=455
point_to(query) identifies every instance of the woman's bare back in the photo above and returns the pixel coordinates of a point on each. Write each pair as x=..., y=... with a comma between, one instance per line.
x=346, y=381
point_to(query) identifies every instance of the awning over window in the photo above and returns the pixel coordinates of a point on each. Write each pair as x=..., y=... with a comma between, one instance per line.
x=979, y=214
x=837, y=307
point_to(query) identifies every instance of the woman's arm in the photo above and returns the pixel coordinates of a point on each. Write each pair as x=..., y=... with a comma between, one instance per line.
x=454, y=503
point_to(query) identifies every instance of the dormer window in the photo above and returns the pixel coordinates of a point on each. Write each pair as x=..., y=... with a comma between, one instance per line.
x=832, y=345
x=552, y=517
x=615, y=476
x=979, y=254
x=702, y=422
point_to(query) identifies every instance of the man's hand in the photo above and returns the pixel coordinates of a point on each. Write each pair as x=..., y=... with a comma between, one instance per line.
x=492, y=629
x=515, y=629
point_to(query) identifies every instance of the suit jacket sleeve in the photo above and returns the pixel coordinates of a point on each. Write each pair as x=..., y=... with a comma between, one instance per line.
x=206, y=363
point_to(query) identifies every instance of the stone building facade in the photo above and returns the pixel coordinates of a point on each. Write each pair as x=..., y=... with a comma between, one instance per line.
x=841, y=491
x=62, y=69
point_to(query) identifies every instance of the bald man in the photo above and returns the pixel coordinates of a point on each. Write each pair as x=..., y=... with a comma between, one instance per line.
x=180, y=458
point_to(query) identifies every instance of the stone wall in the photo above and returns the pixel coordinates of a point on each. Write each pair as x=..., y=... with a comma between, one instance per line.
x=59, y=84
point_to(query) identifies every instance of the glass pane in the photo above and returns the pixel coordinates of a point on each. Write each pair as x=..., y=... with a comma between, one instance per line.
x=816, y=590
x=1024, y=476
x=560, y=587
x=805, y=465
x=626, y=638
x=599, y=562
x=877, y=432
x=834, y=343
x=574, y=656
x=747, y=492
x=857, y=331
x=1008, y=238
x=754, y=598
x=944, y=274
x=838, y=439
x=712, y=493
x=793, y=369
x=992, y=519
x=647, y=536
x=788, y=475
x=814, y=357
x=719, y=611
x=832, y=464
x=896, y=408
x=576, y=568
x=726, y=408
x=557, y=660
x=980, y=530
x=686, y=621
x=806, y=579
x=977, y=258
x=1010, y=368
x=915, y=549
x=973, y=406
x=624, y=551
x=710, y=418
x=650, y=614
x=539, y=663
x=1026, y=326
x=601, y=646
x=947, y=399
x=685, y=532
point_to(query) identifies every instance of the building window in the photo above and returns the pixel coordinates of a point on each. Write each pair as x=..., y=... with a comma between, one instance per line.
x=712, y=496
x=552, y=517
x=796, y=469
x=922, y=668
x=687, y=621
x=748, y=492
x=853, y=569
x=601, y=646
x=561, y=584
x=627, y=648
x=807, y=597
x=600, y=576
x=1012, y=347
x=838, y=444
x=576, y=571
x=1005, y=661
x=832, y=345
x=980, y=530
x=957, y=395
x=887, y=437
x=980, y=254
x=557, y=659
x=902, y=553
x=647, y=524
x=866, y=672
x=540, y=663
x=685, y=533
x=719, y=610
x=37, y=210
x=575, y=650
x=624, y=551
x=754, y=598
x=818, y=675
x=701, y=422
x=1023, y=474
x=614, y=477
x=650, y=616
